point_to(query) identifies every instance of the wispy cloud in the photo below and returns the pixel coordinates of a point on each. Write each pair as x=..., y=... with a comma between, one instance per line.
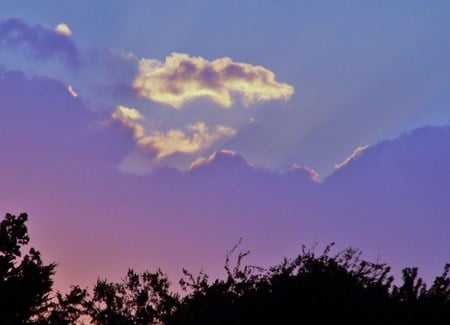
x=41, y=42
x=358, y=151
x=191, y=139
x=181, y=78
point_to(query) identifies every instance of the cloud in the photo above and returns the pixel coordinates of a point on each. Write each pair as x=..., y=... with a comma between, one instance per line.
x=181, y=79
x=358, y=151
x=202, y=161
x=311, y=173
x=100, y=77
x=191, y=139
x=177, y=141
x=124, y=113
x=129, y=118
x=63, y=29
x=43, y=43
x=72, y=92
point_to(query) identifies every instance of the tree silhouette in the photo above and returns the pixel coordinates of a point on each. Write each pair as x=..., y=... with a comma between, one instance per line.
x=25, y=283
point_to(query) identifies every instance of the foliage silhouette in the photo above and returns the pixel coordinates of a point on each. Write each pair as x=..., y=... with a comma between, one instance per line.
x=319, y=289
x=66, y=309
x=310, y=288
x=138, y=299
x=25, y=283
x=322, y=288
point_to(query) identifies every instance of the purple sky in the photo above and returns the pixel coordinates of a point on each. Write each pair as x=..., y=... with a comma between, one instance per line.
x=153, y=135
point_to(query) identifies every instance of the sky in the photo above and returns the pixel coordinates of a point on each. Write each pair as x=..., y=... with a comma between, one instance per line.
x=155, y=134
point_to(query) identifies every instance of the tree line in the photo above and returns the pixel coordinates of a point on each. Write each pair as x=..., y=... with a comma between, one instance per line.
x=311, y=288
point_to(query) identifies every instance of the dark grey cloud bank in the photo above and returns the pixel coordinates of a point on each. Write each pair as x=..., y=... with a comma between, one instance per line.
x=101, y=76
x=39, y=41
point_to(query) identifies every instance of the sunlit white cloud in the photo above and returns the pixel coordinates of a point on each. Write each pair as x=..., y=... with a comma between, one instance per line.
x=123, y=113
x=191, y=139
x=195, y=138
x=182, y=78
x=129, y=117
x=63, y=29
x=358, y=151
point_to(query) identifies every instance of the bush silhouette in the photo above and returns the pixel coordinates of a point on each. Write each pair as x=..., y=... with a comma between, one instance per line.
x=320, y=288
x=315, y=289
